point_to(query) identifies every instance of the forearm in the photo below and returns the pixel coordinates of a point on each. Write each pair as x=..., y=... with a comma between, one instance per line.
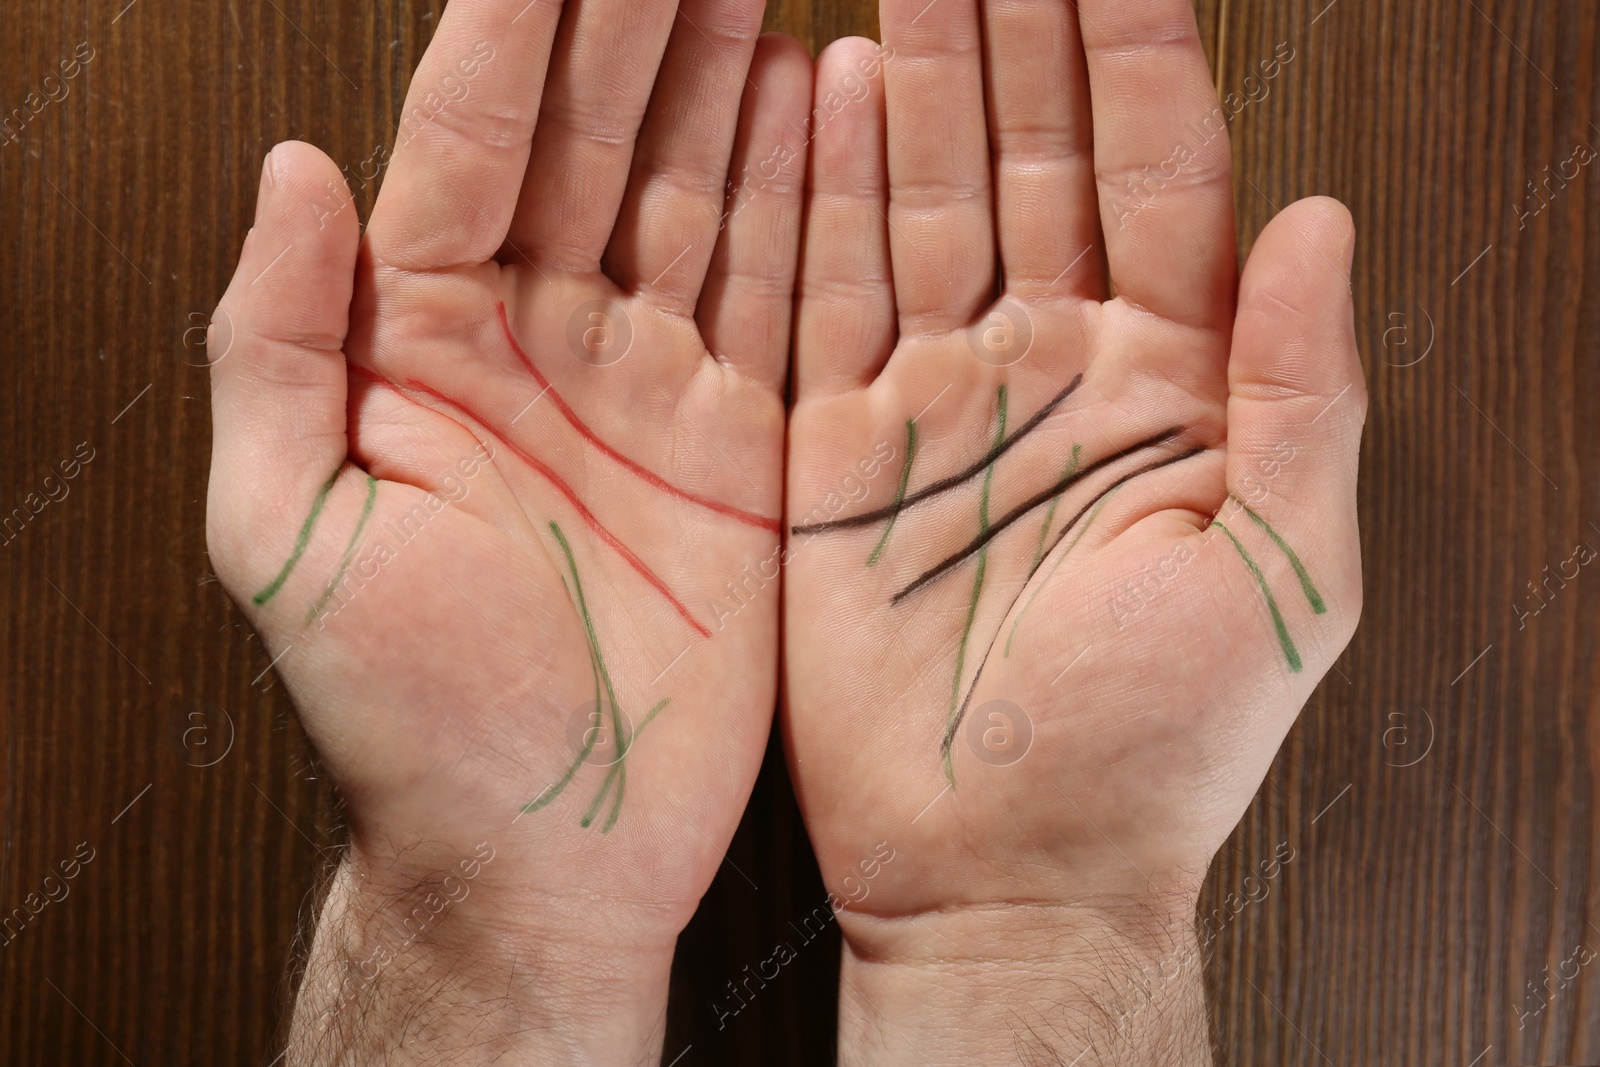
x=422, y=972
x=1027, y=986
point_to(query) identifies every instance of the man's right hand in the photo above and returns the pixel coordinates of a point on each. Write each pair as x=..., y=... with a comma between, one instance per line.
x=1065, y=563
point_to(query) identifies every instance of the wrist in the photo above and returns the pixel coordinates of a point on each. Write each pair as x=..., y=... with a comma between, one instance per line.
x=441, y=968
x=1030, y=983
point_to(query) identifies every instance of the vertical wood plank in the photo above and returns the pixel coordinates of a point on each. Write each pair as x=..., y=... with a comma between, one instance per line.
x=1456, y=860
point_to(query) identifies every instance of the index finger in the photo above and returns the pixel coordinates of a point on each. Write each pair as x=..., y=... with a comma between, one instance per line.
x=462, y=143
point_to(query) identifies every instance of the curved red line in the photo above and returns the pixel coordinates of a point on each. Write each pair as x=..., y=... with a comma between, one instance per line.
x=650, y=476
x=554, y=479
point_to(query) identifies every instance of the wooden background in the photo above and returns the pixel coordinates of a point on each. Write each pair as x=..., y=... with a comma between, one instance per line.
x=1438, y=794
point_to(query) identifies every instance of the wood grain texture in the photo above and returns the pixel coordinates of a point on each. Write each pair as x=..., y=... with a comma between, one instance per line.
x=1425, y=900
x=140, y=723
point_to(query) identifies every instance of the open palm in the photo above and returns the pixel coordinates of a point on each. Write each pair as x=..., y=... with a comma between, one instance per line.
x=484, y=477
x=1065, y=563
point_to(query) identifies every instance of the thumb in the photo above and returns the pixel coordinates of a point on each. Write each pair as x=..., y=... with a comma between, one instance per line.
x=278, y=378
x=1297, y=402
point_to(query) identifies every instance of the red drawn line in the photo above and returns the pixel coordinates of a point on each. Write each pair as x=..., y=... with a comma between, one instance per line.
x=554, y=479
x=747, y=517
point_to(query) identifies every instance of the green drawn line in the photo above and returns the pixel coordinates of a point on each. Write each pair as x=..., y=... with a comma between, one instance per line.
x=618, y=771
x=1055, y=502
x=599, y=798
x=349, y=552
x=900, y=493
x=588, y=626
x=583, y=754
x=300, y=542
x=598, y=658
x=1088, y=522
x=1289, y=650
x=1294, y=561
x=977, y=590
x=651, y=715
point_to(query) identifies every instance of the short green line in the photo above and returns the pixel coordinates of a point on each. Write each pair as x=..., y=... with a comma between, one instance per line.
x=900, y=493
x=621, y=773
x=1294, y=561
x=1087, y=522
x=1289, y=651
x=618, y=771
x=600, y=662
x=599, y=798
x=588, y=625
x=348, y=554
x=300, y=542
x=977, y=591
x=1055, y=502
x=616, y=807
x=583, y=754
x=660, y=705
x=555, y=790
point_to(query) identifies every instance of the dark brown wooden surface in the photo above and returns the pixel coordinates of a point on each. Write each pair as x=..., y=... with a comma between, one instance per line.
x=1438, y=794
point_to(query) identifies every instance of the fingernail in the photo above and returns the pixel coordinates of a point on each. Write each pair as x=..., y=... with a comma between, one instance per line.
x=267, y=183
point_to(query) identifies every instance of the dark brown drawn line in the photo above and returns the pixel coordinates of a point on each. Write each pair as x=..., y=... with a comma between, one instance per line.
x=939, y=570
x=945, y=484
x=955, y=723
